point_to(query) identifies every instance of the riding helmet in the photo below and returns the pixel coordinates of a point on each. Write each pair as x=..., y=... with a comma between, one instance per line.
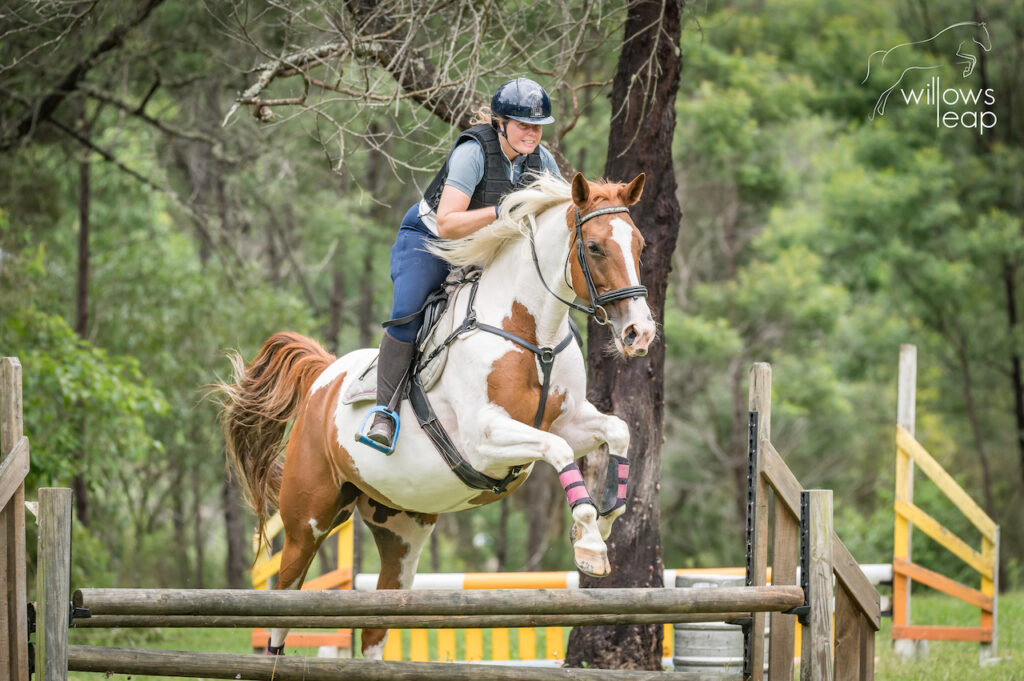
x=522, y=100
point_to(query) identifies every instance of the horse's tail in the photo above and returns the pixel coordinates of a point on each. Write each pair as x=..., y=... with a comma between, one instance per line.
x=257, y=407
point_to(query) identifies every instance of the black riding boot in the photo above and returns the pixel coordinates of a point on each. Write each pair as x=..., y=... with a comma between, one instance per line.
x=392, y=365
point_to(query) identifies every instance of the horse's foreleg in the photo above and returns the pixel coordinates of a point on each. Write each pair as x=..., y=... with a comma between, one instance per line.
x=588, y=429
x=504, y=439
x=400, y=537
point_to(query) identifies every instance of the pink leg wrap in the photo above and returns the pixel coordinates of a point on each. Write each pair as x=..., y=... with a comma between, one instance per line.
x=575, y=489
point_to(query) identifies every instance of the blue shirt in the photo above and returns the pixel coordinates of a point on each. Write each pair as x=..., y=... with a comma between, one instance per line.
x=466, y=170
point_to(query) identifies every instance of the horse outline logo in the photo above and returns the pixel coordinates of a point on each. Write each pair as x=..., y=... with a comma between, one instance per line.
x=969, y=60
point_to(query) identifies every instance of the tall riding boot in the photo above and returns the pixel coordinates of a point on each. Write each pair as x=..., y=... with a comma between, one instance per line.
x=392, y=364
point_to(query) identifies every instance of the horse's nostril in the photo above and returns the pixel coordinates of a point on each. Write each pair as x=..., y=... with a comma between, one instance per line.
x=629, y=337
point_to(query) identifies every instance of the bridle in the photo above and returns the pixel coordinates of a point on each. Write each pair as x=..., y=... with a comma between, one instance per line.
x=597, y=302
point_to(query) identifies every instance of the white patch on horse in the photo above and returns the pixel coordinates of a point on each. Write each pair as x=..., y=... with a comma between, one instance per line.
x=376, y=651
x=622, y=233
x=317, y=532
x=328, y=376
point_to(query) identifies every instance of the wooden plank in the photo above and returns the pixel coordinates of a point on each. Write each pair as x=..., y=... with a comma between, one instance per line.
x=262, y=573
x=943, y=584
x=847, y=642
x=957, y=546
x=500, y=644
x=53, y=583
x=759, y=400
x=990, y=587
x=906, y=405
x=419, y=647
x=340, y=578
x=446, y=649
x=867, y=650
x=136, y=662
x=816, y=654
x=554, y=647
x=13, y=470
x=393, y=645
x=788, y=488
x=14, y=466
x=785, y=556
x=305, y=639
x=474, y=645
x=937, y=633
x=945, y=482
x=527, y=644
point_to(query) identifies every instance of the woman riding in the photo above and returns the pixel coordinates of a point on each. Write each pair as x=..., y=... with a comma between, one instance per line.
x=500, y=154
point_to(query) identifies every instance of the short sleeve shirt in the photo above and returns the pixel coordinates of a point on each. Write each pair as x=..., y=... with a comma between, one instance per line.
x=466, y=170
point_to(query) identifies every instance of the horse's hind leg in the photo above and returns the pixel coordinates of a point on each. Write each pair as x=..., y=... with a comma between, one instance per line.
x=311, y=506
x=400, y=537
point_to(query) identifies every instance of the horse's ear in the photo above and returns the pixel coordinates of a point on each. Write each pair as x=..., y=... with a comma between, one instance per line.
x=580, y=189
x=632, y=193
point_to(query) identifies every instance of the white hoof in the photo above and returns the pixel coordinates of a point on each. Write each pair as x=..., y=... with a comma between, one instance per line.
x=604, y=523
x=590, y=557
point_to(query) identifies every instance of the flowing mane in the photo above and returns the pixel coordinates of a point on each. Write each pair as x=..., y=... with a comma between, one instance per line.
x=481, y=247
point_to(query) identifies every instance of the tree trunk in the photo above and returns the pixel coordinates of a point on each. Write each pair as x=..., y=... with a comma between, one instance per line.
x=197, y=520
x=640, y=139
x=237, y=538
x=79, y=482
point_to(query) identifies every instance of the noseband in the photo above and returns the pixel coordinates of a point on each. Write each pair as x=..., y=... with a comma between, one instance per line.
x=597, y=302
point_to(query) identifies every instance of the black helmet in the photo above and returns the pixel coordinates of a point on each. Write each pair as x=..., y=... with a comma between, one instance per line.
x=522, y=100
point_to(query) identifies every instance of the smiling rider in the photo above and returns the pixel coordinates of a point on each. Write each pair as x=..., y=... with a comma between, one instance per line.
x=499, y=154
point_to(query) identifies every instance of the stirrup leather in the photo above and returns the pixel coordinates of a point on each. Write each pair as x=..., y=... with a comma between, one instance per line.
x=361, y=435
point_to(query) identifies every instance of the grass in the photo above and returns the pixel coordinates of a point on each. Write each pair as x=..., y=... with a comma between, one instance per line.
x=947, y=660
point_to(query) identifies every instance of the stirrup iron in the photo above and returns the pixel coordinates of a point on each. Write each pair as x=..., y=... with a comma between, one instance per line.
x=361, y=435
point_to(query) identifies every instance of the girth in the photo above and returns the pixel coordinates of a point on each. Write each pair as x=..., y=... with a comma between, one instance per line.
x=433, y=427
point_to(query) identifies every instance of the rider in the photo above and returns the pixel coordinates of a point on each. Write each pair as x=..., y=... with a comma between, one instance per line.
x=499, y=154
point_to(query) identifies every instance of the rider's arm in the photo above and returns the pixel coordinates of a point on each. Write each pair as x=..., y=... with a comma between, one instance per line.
x=453, y=218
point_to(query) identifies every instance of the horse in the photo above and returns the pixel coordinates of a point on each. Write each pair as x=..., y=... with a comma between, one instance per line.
x=491, y=399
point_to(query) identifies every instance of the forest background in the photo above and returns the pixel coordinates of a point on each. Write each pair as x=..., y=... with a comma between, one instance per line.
x=146, y=227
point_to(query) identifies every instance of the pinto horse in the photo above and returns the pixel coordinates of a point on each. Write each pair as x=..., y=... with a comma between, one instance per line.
x=582, y=243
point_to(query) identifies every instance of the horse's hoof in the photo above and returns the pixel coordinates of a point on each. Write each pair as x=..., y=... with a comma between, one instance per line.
x=592, y=563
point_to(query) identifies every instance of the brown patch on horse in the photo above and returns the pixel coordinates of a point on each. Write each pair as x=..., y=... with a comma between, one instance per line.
x=514, y=382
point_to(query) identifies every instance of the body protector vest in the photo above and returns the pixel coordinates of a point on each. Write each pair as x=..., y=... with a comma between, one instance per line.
x=495, y=183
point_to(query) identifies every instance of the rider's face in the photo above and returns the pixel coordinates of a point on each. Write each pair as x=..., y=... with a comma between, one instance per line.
x=524, y=137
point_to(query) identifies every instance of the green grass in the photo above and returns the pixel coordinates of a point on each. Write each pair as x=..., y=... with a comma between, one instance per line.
x=947, y=661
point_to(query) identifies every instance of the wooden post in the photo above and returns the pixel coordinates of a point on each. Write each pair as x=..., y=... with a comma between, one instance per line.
x=14, y=464
x=53, y=584
x=816, y=652
x=906, y=402
x=990, y=587
x=759, y=400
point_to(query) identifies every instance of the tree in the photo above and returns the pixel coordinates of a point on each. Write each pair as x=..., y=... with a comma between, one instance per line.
x=640, y=140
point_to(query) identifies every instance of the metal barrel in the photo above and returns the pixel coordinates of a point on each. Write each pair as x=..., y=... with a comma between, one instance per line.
x=711, y=648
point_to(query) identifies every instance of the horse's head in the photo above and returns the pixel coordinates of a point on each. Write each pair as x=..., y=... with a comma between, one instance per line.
x=611, y=246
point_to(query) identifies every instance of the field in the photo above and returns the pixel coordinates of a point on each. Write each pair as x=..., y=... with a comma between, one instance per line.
x=947, y=661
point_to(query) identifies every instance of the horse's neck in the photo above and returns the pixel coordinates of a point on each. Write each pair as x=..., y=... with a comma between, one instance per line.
x=512, y=277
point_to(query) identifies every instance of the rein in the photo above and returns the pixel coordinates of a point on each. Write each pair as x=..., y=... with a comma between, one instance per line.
x=597, y=302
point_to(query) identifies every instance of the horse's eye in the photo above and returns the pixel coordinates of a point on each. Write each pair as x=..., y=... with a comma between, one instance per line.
x=593, y=248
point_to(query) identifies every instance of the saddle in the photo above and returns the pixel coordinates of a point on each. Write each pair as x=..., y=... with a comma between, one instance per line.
x=432, y=340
